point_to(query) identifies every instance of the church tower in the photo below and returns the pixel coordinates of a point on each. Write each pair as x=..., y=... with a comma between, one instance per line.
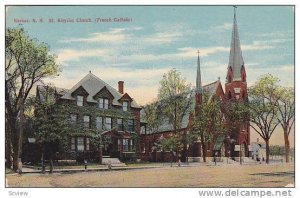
x=236, y=90
x=236, y=84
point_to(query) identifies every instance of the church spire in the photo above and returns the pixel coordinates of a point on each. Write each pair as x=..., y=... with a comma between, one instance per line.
x=235, y=59
x=198, y=79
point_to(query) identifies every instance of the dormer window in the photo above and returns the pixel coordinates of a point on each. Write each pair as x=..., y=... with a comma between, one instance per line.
x=103, y=103
x=79, y=100
x=125, y=105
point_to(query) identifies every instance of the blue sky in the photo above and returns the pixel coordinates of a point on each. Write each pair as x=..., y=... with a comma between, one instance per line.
x=159, y=38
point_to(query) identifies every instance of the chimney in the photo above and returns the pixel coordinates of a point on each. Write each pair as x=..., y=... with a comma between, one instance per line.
x=121, y=87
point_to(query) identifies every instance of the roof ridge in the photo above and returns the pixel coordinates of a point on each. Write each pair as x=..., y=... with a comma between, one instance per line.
x=106, y=84
x=211, y=83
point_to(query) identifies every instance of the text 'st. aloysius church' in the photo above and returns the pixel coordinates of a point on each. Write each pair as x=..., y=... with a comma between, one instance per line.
x=236, y=143
x=98, y=108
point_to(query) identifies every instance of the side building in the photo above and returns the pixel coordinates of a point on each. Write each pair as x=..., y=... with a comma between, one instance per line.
x=97, y=111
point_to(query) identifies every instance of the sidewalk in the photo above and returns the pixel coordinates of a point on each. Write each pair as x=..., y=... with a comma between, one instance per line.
x=26, y=170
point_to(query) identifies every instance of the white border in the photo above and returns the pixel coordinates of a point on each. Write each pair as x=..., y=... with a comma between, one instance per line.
x=129, y=192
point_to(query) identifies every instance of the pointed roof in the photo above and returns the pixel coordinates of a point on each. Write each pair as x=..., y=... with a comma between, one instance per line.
x=210, y=89
x=92, y=84
x=198, y=79
x=235, y=59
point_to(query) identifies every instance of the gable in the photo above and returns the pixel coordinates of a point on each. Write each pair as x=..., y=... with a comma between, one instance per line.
x=104, y=93
x=125, y=97
x=80, y=91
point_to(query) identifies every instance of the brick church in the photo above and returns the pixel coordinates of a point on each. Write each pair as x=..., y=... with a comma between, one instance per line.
x=235, y=143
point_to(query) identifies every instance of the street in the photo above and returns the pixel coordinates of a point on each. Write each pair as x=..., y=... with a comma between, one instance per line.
x=234, y=175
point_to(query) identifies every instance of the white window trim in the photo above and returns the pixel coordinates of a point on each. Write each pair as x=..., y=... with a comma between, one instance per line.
x=103, y=103
x=106, y=123
x=125, y=107
x=100, y=121
x=80, y=146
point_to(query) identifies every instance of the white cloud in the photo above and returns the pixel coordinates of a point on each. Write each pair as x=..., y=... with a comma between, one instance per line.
x=284, y=72
x=283, y=34
x=224, y=26
x=162, y=37
x=115, y=35
x=65, y=55
x=192, y=52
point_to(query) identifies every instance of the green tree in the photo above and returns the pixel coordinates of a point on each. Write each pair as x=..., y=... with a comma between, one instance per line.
x=286, y=115
x=175, y=100
x=209, y=120
x=152, y=116
x=51, y=124
x=171, y=144
x=263, y=108
x=27, y=61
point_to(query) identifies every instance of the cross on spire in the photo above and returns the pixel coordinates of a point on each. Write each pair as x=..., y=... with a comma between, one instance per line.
x=234, y=8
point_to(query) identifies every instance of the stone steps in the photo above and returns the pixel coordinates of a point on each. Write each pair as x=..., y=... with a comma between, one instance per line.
x=113, y=161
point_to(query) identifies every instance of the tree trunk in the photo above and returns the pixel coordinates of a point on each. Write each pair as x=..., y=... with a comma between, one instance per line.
x=20, y=136
x=203, y=146
x=267, y=151
x=14, y=140
x=8, y=148
x=15, y=156
x=287, y=146
x=43, y=159
x=100, y=155
x=51, y=164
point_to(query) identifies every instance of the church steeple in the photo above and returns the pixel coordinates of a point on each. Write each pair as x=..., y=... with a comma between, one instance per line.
x=199, y=89
x=236, y=61
x=198, y=78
